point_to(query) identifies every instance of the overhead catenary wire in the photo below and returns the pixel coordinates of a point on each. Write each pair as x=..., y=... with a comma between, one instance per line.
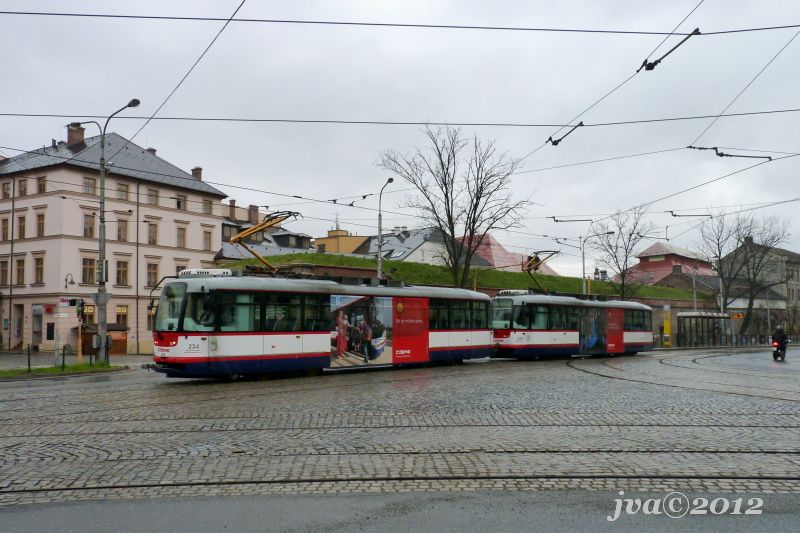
x=183, y=79
x=749, y=83
x=631, y=122
x=309, y=22
x=599, y=100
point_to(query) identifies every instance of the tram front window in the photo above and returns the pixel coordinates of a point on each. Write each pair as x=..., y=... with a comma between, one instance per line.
x=169, y=307
x=501, y=313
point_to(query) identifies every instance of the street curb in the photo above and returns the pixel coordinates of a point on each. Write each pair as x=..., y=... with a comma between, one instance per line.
x=66, y=375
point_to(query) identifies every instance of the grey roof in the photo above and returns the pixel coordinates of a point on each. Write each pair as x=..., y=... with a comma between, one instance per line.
x=401, y=245
x=132, y=160
x=663, y=248
x=237, y=251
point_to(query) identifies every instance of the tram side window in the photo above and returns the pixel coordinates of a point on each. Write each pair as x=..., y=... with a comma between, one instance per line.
x=282, y=312
x=479, y=315
x=539, y=317
x=438, y=314
x=558, y=317
x=239, y=312
x=501, y=313
x=521, y=319
x=317, y=313
x=573, y=318
x=199, y=314
x=459, y=314
x=635, y=320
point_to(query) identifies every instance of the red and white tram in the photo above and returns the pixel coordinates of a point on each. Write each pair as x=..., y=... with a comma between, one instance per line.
x=214, y=323
x=527, y=326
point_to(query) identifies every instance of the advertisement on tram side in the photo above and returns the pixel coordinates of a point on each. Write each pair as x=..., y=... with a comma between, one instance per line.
x=374, y=330
x=615, y=331
x=593, y=331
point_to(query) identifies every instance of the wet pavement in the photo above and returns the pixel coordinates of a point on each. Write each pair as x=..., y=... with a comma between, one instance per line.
x=702, y=421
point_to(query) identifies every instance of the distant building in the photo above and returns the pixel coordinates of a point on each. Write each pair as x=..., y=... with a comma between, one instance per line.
x=661, y=259
x=159, y=220
x=423, y=245
x=497, y=257
x=339, y=241
x=269, y=242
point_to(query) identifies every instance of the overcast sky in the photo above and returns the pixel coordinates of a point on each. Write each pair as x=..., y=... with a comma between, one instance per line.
x=80, y=66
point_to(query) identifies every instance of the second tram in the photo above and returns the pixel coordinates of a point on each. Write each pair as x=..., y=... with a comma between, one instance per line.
x=528, y=326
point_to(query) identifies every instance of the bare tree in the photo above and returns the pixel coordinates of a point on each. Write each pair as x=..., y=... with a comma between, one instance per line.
x=743, y=247
x=618, y=240
x=464, y=189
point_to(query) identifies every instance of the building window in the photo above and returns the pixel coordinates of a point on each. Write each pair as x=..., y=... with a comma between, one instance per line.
x=6, y=190
x=88, y=314
x=181, y=237
x=152, y=274
x=207, y=241
x=23, y=187
x=38, y=270
x=87, y=270
x=228, y=232
x=40, y=224
x=122, y=315
x=179, y=269
x=122, y=230
x=207, y=207
x=123, y=191
x=89, y=186
x=180, y=202
x=88, y=226
x=41, y=185
x=152, y=233
x=20, y=272
x=122, y=272
x=21, y=227
x=152, y=196
x=4, y=273
x=4, y=229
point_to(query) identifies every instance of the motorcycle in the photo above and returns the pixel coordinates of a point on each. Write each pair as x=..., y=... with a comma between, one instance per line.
x=779, y=351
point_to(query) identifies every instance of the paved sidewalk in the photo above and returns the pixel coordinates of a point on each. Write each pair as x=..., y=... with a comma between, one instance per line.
x=10, y=360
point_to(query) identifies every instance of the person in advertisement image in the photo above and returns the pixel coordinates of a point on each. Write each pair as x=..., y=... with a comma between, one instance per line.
x=361, y=331
x=593, y=331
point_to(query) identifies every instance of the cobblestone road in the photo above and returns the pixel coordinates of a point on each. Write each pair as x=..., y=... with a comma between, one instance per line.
x=671, y=420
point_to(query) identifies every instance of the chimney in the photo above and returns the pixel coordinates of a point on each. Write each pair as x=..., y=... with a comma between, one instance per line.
x=152, y=151
x=197, y=173
x=252, y=214
x=232, y=210
x=74, y=135
x=396, y=231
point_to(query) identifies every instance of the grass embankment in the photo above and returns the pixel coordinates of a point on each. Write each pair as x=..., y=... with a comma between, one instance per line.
x=422, y=274
x=83, y=368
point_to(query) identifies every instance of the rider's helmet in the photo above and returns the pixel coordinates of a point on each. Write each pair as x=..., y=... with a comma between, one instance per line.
x=780, y=327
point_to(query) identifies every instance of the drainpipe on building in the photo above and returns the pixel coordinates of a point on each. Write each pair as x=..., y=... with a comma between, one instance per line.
x=11, y=265
x=138, y=222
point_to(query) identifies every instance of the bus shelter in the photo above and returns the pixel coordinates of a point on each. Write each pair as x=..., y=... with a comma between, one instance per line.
x=703, y=329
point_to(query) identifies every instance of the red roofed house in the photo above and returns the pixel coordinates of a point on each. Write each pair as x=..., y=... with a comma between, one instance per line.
x=499, y=258
x=657, y=262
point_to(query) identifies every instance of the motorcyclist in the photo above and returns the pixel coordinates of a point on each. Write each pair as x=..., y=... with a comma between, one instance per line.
x=780, y=337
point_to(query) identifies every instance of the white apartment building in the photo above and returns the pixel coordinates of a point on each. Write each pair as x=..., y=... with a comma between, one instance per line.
x=159, y=220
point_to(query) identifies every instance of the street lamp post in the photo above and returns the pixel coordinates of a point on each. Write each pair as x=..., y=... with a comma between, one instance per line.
x=102, y=296
x=582, y=242
x=380, y=229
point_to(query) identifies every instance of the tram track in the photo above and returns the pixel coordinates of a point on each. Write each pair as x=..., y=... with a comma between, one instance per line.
x=654, y=380
x=404, y=478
